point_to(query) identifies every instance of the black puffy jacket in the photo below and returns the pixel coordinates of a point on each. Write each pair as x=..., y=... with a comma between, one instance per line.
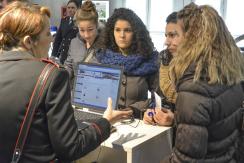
x=208, y=121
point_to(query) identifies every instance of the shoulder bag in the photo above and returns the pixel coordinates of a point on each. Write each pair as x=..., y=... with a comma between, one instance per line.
x=30, y=111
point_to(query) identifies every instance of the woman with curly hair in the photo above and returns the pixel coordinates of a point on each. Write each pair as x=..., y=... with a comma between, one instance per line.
x=127, y=43
x=208, y=72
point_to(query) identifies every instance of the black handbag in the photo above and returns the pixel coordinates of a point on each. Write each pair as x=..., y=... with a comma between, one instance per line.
x=34, y=99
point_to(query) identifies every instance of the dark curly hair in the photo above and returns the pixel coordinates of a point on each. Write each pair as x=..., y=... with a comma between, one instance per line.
x=141, y=44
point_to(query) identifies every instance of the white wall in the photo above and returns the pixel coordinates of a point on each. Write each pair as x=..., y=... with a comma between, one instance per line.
x=55, y=7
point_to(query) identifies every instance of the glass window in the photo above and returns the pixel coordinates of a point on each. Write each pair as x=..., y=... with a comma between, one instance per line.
x=216, y=4
x=159, y=12
x=234, y=13
x=158, y=40
x=139, y=7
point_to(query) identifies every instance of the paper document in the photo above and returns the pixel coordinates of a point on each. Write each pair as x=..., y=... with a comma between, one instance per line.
x=158, y=101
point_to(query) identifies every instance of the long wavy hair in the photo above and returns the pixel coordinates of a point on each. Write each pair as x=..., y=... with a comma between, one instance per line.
x=209, y=45
x=141, y=44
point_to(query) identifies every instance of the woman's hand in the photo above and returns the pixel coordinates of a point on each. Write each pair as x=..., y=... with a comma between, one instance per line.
x=163, y=117
x=148, y=117
x=114, y=116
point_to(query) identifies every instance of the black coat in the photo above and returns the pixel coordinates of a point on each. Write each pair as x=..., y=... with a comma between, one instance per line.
x=208, y=121
x=66, y=32
x=53, y=133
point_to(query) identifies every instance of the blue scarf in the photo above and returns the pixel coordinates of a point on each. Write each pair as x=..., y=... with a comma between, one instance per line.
x=134, y=65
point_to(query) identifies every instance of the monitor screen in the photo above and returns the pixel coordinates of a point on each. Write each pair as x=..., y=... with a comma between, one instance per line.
x=94, y=83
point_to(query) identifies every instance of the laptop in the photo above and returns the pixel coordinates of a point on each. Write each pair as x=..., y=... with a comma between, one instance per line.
x=93, y=84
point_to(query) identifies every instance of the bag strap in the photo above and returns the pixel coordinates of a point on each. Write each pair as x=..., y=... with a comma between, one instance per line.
x=89, y=56
x=34, y=99
x=242, y=117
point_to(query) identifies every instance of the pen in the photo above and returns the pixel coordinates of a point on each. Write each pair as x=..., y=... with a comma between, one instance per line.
x=150, y=114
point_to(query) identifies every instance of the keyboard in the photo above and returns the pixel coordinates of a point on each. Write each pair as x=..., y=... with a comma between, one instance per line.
x=83, y=119
x=86, y=116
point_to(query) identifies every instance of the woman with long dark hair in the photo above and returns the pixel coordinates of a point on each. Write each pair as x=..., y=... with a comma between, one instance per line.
x=127, y=43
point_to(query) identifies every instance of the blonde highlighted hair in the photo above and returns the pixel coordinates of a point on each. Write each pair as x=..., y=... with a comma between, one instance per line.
x=209, y=46
x=20, y=19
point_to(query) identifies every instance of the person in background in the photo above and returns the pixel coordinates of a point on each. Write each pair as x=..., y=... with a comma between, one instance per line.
x=127, y=43
x=24, y=38
x=208, y=73
x=66, y=32
x=174, y=36
x=83, y=47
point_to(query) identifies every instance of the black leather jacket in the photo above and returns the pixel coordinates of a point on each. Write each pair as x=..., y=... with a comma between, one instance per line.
x=53, y=133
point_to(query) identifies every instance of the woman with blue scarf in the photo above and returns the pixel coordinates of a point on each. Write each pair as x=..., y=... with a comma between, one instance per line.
x=127, y=43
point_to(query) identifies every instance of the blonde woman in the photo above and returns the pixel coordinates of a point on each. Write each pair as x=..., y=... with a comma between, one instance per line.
x=207, y=71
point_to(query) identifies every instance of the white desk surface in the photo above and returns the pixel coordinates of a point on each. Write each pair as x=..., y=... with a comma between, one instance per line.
x=129, y=136
x=133, y=143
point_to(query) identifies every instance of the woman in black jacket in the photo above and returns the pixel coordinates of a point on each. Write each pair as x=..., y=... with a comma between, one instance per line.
x=208, y=72
x=25, y=37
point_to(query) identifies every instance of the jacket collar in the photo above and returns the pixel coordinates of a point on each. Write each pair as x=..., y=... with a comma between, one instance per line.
x=14, y=55
x=188, y=75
